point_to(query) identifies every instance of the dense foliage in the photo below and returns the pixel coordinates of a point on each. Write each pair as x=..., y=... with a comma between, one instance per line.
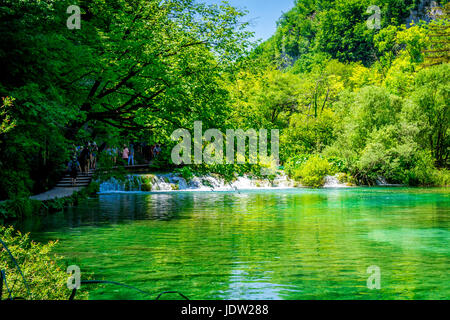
x=356, y=102
x=367, y=99
x=44, y=278
x=374, y=101
x=23, y=207
x=135, y=69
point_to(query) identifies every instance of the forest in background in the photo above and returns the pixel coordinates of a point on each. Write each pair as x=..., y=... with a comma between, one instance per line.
x=364, y=103
x=348, y=100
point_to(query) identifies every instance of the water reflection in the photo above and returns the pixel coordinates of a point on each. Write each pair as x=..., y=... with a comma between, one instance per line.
x=304, y=244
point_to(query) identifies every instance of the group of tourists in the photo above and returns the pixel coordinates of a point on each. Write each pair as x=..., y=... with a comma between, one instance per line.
x=112, y=152
x=127, y=153
x=84, y=159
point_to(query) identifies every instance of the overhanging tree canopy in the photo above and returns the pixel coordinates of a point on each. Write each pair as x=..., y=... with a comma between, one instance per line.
x=133, y=64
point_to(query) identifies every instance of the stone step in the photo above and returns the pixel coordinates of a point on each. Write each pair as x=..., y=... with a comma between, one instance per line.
x=65, y=183
x=69, y=185
x=81, y=175
x=78, y=179
x=83, y=180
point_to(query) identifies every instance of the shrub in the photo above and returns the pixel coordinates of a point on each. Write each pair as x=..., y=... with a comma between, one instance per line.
x=422, y=172
x=227, y=171
x=313, y=172
x=345, y=179
x=186, y=173
x=441, y=177
x=44, y=274
x=337, y=165
x=15, y=183
x=18, y=208
x=294, y=163
x=146, y=183
x=106, y=171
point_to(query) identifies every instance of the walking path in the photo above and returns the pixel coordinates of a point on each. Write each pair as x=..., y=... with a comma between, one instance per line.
x=55, y=193
x=64, y=188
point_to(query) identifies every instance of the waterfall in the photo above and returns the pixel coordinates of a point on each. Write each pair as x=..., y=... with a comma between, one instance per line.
x=174, y=182
x=333, y=182
x=382, y=182
x=112, y=185
x=131, y=183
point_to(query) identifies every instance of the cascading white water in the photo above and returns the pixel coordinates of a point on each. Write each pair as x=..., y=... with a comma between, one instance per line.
x=112, y=185
x=173, y=182
x=381, y=181
x=333, y=182
x=132, y=183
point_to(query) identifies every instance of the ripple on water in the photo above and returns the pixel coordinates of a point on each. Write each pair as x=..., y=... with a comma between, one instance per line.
x=291, y=244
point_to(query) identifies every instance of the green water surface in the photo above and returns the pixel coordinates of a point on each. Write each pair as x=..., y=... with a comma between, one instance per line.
x=279, y=244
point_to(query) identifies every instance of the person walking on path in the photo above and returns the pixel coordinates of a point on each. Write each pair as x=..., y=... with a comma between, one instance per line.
x=131, y=156
x=157, y=150
x=83, y=159
x=114, y=152
x=125, y=154
x=73, y=168
x=94, y=152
